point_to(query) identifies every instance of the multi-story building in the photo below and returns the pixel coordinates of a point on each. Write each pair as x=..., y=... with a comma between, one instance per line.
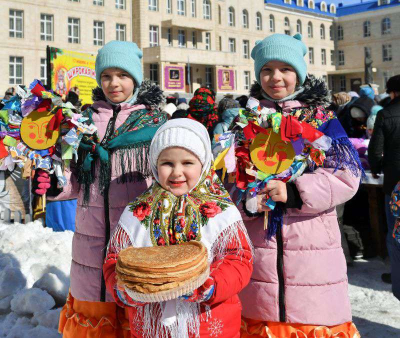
x=77, y=25
x=193, y=43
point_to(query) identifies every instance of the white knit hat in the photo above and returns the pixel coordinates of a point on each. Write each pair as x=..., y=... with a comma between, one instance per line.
x=170, y=108
x=185, y=133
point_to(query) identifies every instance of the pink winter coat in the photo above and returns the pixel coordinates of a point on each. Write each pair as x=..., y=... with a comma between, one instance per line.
x=312, y=288
x=88, y=243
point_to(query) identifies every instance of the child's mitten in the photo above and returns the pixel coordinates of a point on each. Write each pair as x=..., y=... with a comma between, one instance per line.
x=201, y=294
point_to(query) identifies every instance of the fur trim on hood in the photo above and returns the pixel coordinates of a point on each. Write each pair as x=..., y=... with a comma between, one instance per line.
x=149, y=94
x=315, y=92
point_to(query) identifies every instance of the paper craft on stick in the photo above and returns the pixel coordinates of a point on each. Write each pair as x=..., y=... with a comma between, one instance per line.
x=270, y=154
x=34, y=132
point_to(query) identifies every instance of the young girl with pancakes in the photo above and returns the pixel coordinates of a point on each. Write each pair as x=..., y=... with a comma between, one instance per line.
x=186, y=202
x=299, y=285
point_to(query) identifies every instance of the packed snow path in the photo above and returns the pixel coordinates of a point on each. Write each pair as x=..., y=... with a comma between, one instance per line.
x=34, y=281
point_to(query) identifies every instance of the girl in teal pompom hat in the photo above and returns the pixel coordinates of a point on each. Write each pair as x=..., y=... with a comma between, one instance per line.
x=112, y=169
x=292, y=291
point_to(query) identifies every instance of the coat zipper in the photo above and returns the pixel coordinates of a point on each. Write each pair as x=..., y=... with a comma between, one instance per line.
x=279, y=266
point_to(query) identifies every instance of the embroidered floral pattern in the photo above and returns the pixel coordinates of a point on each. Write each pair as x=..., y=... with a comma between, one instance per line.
x=173, y=220
x=215, y=327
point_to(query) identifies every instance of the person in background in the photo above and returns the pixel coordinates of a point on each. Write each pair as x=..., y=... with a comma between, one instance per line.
x=242, y=100
x=384, y=156
x=10, y=92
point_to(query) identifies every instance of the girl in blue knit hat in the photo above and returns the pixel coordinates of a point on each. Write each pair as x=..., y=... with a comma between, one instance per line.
x=299, y=283
x=112, y=169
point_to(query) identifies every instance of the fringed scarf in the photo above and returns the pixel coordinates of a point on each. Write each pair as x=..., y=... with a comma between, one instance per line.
x=157, y=217
x=129, y=144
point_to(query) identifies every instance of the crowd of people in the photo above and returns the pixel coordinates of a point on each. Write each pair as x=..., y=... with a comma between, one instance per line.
x=151, y=151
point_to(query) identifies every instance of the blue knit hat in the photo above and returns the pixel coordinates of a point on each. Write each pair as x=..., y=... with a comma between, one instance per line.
x=120, y=54
x=284, y=48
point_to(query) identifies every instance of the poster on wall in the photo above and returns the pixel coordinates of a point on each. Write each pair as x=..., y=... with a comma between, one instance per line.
x=70, y=69
x=226, y=79
x=174, y=77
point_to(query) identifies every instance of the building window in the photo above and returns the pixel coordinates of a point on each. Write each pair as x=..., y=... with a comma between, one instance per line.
x=246, y=80
x=153, y=5
x=194, y=39
x=331, y=33
x=181, y=7
x=323, y=6
x=386, y=26
x=46, y=27
x=342, y=83
x=367, y=29
x=258, y=21
x=340, y=33
x=287, y=26
x=98, y=2
x=208, y=77
x=332, y=83
x=322, y=31
x=245, y=19
x=169, y=6
x=232, y=45
x=311, y=4
x=387, y=52
x=120, y=4
x=311, y=55
x=74, y=0
x=332, y=57
x=219, y=15
x=332, y=9
x=231, y=17
x=207, y=9
x=16, y=29
x=300, y=3
x=193, y=8
x=341, y=57
x=383, y=2
x=43, y=70
x=310, y=30
x=74, y=30
x=121, y=32
x=246, y=49
x=299, y=28
x=98, y=33
x=325, y=78
x=271, y=23
x=220, y=43
x=153, y=36
x=289, y=2
x=323, y=56
x=16, y=70
x=208, y=41
x=154, y=73
x=169, y=36
x=181, y=38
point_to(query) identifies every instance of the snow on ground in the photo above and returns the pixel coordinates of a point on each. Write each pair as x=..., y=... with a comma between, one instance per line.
x=34, y=281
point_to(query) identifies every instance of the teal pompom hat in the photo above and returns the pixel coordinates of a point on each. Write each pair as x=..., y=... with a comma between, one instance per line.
x=284, y=48
x=120, y=54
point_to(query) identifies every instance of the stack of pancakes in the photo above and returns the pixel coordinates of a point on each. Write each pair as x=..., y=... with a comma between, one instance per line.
x=161, y=268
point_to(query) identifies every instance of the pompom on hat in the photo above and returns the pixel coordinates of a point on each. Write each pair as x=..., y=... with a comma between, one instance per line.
x=284, y=48
x=120, y=54
x=184, y=133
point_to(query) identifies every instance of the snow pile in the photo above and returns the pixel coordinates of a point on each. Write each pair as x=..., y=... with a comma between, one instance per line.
x=34, y=279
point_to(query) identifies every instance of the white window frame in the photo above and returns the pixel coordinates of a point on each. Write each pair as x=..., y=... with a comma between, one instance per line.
x=193, y=8
x=153, y=36
x=341, y=58
x=332, y=57
x=310, y=30
x=342, y=83
x=322, y=31
x=300, y=3
x=169, y=6
x=194, y=39
x=120, y=32
x=98, y=33
x=120, y=4
x=246, y=49
x=46, y=33
x=323, y=57
x=311, y=59
x=366, y=29
x=181, y=7
x=153, y=5
x=245, y=18
x=208, y=73
x=299, y=27
x=154, y=71
x=207, y=10
x=271, y=23
x=386, y=26
x=387, y=52
x=98, y=2
x=323, y=7
x=16, y=18
x=311, y=4
x=15, y=63
x=181, y=38
x=43, y=70
x=207, y=41
x=331, y=33
x=258, y=21
x=74, y=23
x=332, y=8
x=340, y=32
x=169, y=37
x=231, y=17
x=246, y=80
x=232, y=45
